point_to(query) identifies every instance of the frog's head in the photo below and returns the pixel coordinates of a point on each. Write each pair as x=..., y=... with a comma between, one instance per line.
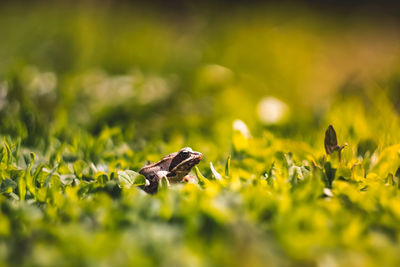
x=184, y=160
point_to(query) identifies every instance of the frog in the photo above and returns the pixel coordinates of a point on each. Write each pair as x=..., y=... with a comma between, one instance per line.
x=173, y=167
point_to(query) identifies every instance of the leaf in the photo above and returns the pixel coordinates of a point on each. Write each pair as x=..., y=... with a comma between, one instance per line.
x=202, y=180
x=214, y=172
x=22, y=187
x=398, y=177
x=228, y=166
x=7, y=186
x=388, y=161
x=78, y=166
x=344, y=173
x=131, y=178
x=30, y=183
x=112, y=188
x=41, y=194
x=48, y=178
x=366, y=146
x=39, y=176
x=101, y=177
x=330, y=174
x=330, y=140
x=126, y=178
x=398, y=172
x=8, y=154
x=140, y=180
x=390, y=179
x=163, y=184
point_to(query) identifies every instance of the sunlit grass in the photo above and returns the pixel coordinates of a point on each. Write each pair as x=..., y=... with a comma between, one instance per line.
x=90, y=95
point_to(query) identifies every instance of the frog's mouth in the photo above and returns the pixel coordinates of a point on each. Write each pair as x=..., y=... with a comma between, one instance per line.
x=199, y=157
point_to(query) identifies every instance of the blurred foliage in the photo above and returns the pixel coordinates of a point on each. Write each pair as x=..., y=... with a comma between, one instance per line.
x=89, y=95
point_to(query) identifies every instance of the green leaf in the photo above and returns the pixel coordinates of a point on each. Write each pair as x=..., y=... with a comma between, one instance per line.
x=163, y=184
x=78, y=166
x=139, y=180
x=30, y=183
x=329, y=174
x=22, y=187
x=202, y=180
x=7, y=186
x=8, y=155
x=388, y=161
x=390, y=179
x=130, y=178
x=228, y=166
x=343, y=172
x=101, y=177
x=113, y=189
x=366, y=146
x=50, y=175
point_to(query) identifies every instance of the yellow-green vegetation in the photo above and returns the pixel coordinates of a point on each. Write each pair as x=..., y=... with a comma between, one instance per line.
x=90, y=94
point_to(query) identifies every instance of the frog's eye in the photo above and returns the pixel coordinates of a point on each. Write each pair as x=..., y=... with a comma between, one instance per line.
x=185, y=154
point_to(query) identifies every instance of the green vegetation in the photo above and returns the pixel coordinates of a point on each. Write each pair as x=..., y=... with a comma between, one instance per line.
x=89, y=95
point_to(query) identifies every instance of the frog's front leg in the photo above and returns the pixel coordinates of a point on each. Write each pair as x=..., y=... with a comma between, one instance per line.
x=155, y=180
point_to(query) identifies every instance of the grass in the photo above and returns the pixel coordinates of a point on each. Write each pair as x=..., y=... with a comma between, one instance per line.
x=87, y=100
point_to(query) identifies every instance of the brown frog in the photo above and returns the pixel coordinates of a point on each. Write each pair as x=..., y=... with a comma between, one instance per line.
x=174, y=167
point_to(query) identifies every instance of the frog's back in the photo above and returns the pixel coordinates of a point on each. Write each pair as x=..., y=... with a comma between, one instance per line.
x=161, y=165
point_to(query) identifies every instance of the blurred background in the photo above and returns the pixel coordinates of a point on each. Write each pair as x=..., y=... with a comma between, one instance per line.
x=176, y=70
